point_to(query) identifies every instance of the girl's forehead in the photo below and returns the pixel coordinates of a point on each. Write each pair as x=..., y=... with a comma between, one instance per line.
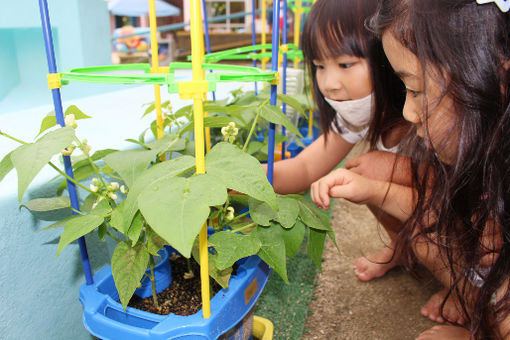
x=404, y=62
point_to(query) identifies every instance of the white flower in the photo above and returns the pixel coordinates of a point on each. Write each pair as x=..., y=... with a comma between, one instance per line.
x=230, y=214
x=224, y=131
x=95, y=181
x=230, y=132
x=93, y=188
x=113, y=186
x=70, y=120
x=112, y=196
x=123, y=189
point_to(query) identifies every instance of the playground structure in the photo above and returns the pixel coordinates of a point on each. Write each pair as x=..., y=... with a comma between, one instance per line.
x=195, y=89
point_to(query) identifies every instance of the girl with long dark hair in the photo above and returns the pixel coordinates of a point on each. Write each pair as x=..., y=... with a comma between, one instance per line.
x=454, y=58
x=359, y=98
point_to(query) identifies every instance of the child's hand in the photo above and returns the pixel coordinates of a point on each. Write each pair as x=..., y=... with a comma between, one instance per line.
x=374, y=164
x=382, y=166
x=341, y=183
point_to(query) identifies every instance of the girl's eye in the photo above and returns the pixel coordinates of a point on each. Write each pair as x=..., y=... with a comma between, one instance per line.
x=318, y=66
x=413, y=93
x=346, y=65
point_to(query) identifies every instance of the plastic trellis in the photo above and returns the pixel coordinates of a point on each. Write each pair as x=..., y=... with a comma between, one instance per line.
x=249, y=53
x=306, y=5
x=98, y=74
x=157, y=76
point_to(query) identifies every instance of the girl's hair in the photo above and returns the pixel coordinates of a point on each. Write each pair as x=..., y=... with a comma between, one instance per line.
x=336, y=27
x=464, y=47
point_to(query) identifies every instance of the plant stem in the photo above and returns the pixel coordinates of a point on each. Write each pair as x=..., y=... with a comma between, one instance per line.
x=92, y=164
x=241, y=229
x=113, y=236
x=253, y=125
x=77, y=211
x=72, y=179
x=239, y=216
x=11, y=137
x=153, y=281
x=188, y=261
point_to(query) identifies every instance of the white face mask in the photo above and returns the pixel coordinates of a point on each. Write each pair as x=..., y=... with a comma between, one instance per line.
x=355, y=112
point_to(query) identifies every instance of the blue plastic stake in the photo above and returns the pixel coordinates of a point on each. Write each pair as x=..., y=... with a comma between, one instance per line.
x=59, y=114
x=284, y=73
x=254, y=37
x=273, y=98
x=206, y=35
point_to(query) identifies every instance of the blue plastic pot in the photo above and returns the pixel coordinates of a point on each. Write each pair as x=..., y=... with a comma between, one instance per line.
x=105, y=318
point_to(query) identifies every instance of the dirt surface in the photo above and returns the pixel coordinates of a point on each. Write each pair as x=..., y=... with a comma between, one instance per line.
x=183, y=297
x=387, y=308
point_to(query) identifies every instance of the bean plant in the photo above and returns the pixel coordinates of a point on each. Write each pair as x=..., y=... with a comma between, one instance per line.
x=149, y=196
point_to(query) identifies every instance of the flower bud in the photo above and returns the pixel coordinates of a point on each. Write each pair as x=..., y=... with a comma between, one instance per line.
x=123, y=189
x=112, y=196
x=224, y=131
x=230, y=214
x=70, y=120
x=95, y=181
x=93, y=188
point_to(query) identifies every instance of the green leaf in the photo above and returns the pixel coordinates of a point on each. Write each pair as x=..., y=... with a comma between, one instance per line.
x=240, y=171
x=272, y=250
x=5, y=165
x=167, y=143
x=79, y=174
x=312, y=216
x=220, y=276
x=78, y=114
x=136, y=227
x=177, y=208
x=293, y=238
x=59, y=224
x=77, y=227
x=154, y=242
x=214, y=122
x=99, y=154
x=47, y=204
x=289, y=211
x=128, y=266
x=101, y=231
x=275, y=115
x=292, y=102
x=50, y=120
x=29, y=159
x=88, y=202
x=231, y=247
x=260, y=212
x=254, y=146
x=124, y=213
x=149, y=109
x=130, y=163
x=316, y=240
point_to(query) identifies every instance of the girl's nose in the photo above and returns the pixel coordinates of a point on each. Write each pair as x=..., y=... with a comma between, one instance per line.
x=410, y=113
x=333, y=81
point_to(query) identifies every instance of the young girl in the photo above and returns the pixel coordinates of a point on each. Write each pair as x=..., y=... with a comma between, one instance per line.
x=359, y=98
x=454, y=58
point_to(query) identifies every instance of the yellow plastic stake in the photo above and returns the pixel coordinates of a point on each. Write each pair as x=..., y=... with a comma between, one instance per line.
x=197, y=47
x=263, y=36
x=155, y=66
x=297, y=26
